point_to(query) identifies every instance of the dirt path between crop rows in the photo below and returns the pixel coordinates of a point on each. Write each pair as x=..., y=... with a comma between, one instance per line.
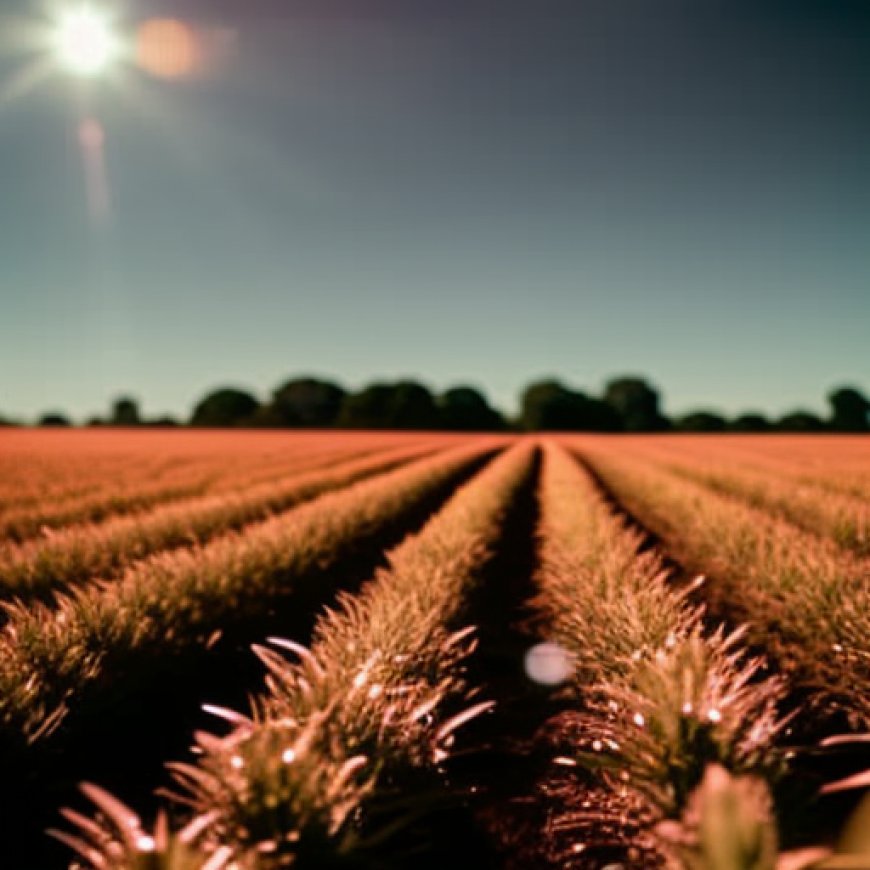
x=503, y=766
x=534, y=811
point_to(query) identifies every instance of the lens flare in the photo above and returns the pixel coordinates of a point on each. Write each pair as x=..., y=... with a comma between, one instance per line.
x=167, y=49
x=548, y=664
x=92, y=140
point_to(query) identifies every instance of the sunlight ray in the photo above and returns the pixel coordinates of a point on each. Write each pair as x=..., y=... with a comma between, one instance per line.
x=25, y=80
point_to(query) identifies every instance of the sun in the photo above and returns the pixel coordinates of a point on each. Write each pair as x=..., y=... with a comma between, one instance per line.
x=85, y=42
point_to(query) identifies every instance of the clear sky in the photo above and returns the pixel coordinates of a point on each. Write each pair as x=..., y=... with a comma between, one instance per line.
x=480, y=192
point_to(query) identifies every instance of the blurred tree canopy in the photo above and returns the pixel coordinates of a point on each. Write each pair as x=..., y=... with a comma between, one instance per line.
x=629, y=404
x=465, y=409
x=125, y=412
x=225, y=407
x=800, y=421
x=849, y=410
x=402, y=405
x=637, y=404
x=551, y=406
x=54, y=418
x=164, y=422
x=750, y=422
x=701, y=421
x=305, y=402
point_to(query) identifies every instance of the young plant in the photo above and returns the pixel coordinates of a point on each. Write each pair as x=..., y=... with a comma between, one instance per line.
x=116, y=839
x=727, y=825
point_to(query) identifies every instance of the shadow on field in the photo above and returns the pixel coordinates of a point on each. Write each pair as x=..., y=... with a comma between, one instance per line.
x=137, y=721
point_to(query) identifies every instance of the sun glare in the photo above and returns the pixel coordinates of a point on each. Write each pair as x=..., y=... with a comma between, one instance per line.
x=85, y=42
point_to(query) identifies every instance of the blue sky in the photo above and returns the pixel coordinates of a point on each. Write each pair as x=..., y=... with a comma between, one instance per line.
x=477, y=192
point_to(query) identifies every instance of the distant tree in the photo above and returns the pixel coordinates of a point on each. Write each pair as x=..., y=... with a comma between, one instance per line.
x=549, y=405
x=125, y=412
x=701, y=421
x=224, y=407
x=403, y=405
x=800, y=421
x=265, y=417
x=305, y=402
x=849, y=410
x=637, y=404
x=601, y=417
x=466, y=409
x=413, y=407
x=96, y=420
x=750, y=422
x=54, y=418
x=164, y=422
x=367, y=409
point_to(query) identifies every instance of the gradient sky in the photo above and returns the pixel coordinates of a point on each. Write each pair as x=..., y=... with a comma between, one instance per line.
x=454, y=191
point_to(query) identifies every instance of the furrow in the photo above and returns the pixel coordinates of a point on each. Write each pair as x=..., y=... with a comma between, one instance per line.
x=83, y=553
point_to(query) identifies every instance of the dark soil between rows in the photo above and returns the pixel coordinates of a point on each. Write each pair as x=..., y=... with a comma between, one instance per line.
x=502, y=763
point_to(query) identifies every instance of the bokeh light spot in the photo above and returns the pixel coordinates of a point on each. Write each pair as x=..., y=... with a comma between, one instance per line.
x=167, y=48
x=547, y=663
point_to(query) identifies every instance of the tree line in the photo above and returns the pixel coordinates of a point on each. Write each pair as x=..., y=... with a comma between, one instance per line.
x=627, y=404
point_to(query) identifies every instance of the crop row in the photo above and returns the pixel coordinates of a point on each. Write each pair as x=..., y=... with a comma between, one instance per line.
x=843, y=518
x=657, y=697
x=322, y=770
x=807, y=602
x=77, y=554
x=62, y=668
x=114, y=497
x=29, y=481
x=39, y=467
x=108, y=500
x=817, y=462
